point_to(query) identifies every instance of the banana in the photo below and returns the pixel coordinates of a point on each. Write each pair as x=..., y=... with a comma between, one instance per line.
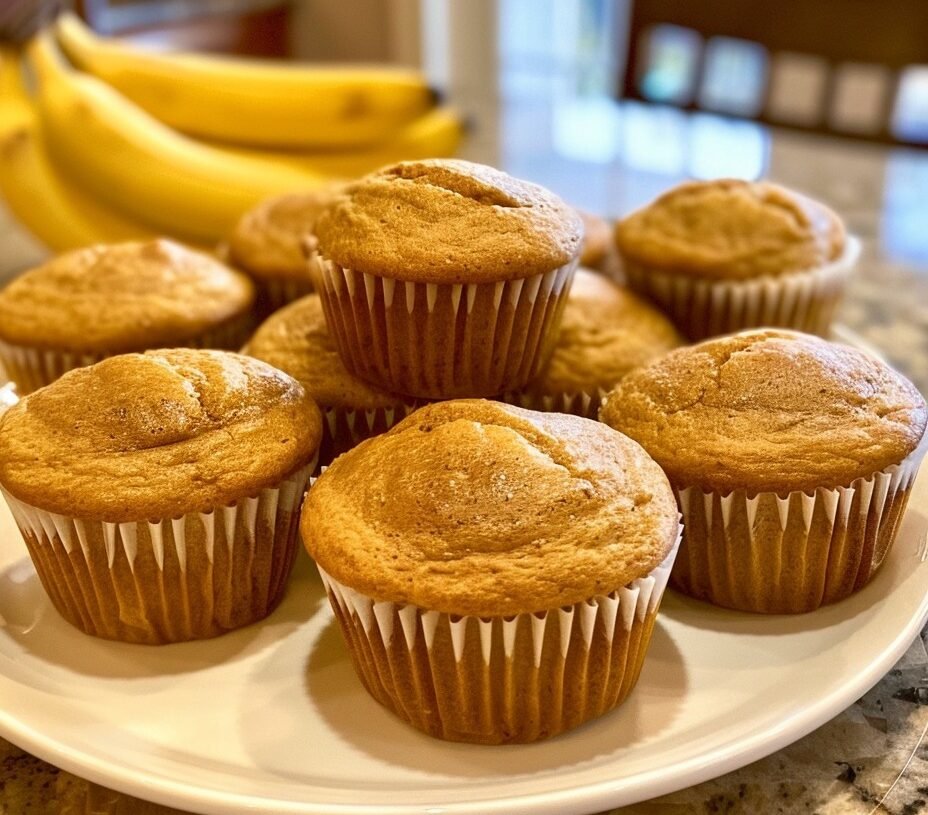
x=436, y=134
x=56, y=212
x=253, y=103
x=123, y=156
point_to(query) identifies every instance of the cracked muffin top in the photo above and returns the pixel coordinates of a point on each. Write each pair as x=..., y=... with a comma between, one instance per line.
x=156, y=435
x=448, y=221
x=296, y=340
x=268, y=240
x=731, y=230
x=112, y=298
x=475, y=507
x=606, y=331
x=768, y=411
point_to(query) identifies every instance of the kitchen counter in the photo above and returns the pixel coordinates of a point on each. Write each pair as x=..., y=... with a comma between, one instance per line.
x=871, y=757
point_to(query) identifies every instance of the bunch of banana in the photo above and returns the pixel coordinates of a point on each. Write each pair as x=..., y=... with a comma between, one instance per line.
x=56, y=211
x=250, y=102
x=129, y=143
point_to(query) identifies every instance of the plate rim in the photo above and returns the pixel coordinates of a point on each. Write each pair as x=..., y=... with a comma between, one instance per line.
x=590, y=798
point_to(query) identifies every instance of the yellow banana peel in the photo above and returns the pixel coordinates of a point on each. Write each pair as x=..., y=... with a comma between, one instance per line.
x=250, y=102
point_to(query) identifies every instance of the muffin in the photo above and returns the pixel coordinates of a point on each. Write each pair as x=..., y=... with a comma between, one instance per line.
x=159, y=493
x=267, y=244
x=296, y=340
x=103, y=300
x=605, y=332
x=495, y=572
x=598, y=249
x=792, y=459
x=721, y=256
x=444, y=278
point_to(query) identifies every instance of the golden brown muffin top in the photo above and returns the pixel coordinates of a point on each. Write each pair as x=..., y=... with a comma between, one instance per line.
x=296, y=340
x=156, y=435
x=448, y=221
x=605, y=332
x=730, y=229
x=268, y=240
x=597, y=239
x=120, y=297
x=475, y=507
x=768, y=411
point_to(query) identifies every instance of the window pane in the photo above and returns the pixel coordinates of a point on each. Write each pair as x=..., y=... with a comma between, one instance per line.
x=910, y=115
x=667, y=72
x=734, y=77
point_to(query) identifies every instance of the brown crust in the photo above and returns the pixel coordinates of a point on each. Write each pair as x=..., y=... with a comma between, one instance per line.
x=448, y=221
x=114, y=298
x=268, y=240
x=475, y=507
x=296, y=340
x=731, y=230
x=769, y=411
x=156, y=435
x=606, y=331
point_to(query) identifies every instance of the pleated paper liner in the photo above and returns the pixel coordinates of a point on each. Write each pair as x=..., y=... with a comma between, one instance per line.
x=33, y=368
x=501, y=679
x=276, y=292
x=804, y=301
x=344, y=428
x=578, y=403
x=168, y=580
x=794, y=553
x=442, y=341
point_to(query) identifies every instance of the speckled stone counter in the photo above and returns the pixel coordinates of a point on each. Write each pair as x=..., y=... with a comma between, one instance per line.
x=870, y=758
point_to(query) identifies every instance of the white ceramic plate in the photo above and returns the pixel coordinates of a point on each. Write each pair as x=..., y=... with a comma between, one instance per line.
x=272, y=719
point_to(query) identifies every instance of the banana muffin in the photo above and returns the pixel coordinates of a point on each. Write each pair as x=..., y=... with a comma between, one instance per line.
x=477, y=548
x=444, y=278
x=267, y=244
x=598, y=246
x=109, y=299
x=296, y=340
x=159, y=493
x=792, y=459
x=725, y=255
x=606, y=331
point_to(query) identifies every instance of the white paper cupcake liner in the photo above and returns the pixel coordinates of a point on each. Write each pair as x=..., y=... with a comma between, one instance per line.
x=578, y=403
x=501, y=679
x=442, y=341
x=805, y=301
x=33, y=368
x=343, y=428
x=173, y=579
x=793, y=553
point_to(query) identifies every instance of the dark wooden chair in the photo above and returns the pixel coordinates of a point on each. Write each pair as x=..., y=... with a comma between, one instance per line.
x=843, y=67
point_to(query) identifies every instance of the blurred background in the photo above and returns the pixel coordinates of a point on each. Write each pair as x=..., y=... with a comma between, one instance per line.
x=611, y=101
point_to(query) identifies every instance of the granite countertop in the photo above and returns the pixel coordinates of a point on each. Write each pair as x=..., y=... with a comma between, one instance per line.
x=871, y=757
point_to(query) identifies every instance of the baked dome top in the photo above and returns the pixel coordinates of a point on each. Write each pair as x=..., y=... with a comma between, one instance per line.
x=731, y=229
x=475, y=507
x=448, y=221
x=120, y=297
x=768, y=411
x=268, y=240
x=156, y=435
